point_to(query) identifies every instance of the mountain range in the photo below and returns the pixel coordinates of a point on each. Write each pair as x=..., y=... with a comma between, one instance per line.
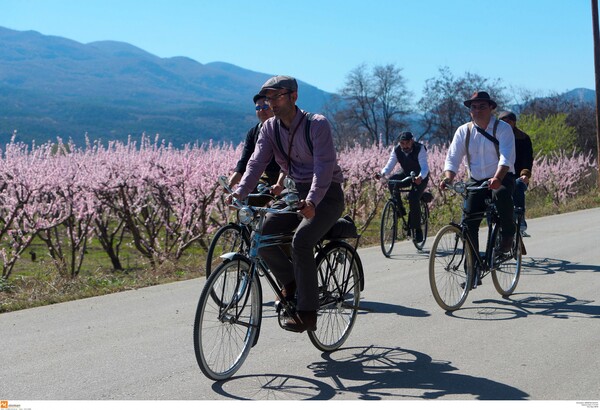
x=52, y=86
x=584, y=95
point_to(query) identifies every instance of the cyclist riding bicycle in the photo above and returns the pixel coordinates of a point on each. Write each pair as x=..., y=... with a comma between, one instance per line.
x=271, y=174
x=487, y=146
x=412, y=157
x=309, y=158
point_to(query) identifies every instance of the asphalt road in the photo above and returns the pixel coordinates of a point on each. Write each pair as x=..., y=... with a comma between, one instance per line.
x=541, y=344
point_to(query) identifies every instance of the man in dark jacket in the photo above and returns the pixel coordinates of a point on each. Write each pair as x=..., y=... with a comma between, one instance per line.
x=412, y=157
x=523, y=164
x=271, y=174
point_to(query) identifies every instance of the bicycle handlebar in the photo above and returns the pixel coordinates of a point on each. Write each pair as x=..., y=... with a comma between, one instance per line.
x=291, y=198
x=411, y=178
x=263, y=191
x=462, y=188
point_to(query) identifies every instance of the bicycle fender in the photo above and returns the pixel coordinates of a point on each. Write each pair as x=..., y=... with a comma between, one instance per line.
x=355, y=256
x=234, y=256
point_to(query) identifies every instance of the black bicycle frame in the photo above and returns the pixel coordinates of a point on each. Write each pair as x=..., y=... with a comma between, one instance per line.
x=491, y=215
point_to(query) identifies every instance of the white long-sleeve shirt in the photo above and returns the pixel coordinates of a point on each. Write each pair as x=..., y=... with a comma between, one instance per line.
x=393, y=160
x=482, y=152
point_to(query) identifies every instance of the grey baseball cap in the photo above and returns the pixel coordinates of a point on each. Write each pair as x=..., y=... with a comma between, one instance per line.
x=279, y=82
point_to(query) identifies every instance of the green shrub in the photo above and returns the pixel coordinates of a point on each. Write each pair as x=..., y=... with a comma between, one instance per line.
x=549, y=135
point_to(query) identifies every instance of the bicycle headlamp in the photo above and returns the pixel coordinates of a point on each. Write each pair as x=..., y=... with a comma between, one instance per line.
x=292, y=200
x=289, y=184
x=460, y=187
x=245, y=215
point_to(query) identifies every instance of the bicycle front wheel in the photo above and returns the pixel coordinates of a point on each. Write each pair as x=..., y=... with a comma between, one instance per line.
x=388, y=229
x=507, y=268
x=339, y=270
x=450, y=268
x=424, y=225
x=229, y=238
x=225, y=326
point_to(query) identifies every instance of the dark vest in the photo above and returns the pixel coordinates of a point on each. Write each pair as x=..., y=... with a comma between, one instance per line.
x=410, y=162
x=272, y=170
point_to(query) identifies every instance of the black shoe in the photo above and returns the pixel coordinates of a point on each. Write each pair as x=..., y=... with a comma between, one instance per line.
x=418, y=235
x=400, y=212
x=303, y=320
x=289, y=294
x=505, y=244
x=462, y=285
x=477, y=275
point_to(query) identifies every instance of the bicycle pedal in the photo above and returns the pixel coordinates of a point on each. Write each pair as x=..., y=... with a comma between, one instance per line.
x=279, y=305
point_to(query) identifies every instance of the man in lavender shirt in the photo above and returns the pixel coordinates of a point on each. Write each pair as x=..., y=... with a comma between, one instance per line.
x=312, y=164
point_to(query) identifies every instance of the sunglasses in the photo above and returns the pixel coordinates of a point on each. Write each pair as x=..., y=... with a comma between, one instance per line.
x=263, y=107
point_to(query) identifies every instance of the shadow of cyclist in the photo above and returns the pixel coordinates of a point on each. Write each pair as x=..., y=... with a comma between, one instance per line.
x=370, y=373
x=550, y=266
x=548, y=304
x=375, y=372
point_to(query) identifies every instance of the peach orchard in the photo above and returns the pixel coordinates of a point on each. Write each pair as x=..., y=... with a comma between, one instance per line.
x=163, y=200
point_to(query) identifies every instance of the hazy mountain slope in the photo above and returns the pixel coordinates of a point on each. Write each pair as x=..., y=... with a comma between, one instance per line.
x=53, y=86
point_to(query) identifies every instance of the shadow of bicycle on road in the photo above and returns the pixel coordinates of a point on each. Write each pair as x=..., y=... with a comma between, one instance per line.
x=550, y=266
x=413, y=255
x=370, y=373
x=521, y=305
x=388, y=308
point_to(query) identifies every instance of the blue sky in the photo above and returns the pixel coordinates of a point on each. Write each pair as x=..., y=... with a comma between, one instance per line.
x=540, y=45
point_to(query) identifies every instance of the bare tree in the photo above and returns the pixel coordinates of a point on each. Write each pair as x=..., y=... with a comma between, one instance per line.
x=393, y=98
x=373, y=102
x=343, y=125
x=442, y=102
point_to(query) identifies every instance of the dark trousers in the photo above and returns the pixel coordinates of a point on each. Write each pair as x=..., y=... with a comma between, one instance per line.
x=414, y=197
x=519, y=199
x=475, y=202
x=302, y=268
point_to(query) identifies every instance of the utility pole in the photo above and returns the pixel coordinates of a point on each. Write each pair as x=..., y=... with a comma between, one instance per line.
x=596, y=32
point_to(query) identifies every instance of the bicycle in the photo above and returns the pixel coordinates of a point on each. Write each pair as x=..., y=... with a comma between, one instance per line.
x=393, y=210
x=232, y=237
x=454, y=266
x=229, y=313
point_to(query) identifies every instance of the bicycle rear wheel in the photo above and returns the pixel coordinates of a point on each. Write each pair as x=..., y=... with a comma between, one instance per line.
x=339, y=270
x=507, y=268
x=424, y=225
x=229, y=238
x=225, y=326
x=388, y=229
x=450, y=268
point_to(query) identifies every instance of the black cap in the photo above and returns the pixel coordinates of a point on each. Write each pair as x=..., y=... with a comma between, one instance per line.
x=405, y=136
x=480, y=96
x=257, y=97
x=507, y=115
